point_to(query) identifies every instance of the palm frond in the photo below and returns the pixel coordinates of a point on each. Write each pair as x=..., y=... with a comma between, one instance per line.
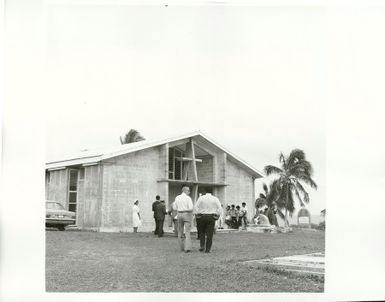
x=312, y=183
x=295, y=156
x=282, y=197
x=302, y=166
x=305, y=177
x=273, y=194
x=282, y=160
x=131, y=136
x=296, y=191
x=305, y=194
x=272, y=170
x=280, y=214
x=290, y=203
x=309, y=181
x=298, y=153
x=275, y=186
x=265, y=188
x=260, y=202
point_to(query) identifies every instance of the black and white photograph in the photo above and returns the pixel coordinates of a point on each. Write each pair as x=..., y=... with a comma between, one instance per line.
x=193, y=147
x=179, y=154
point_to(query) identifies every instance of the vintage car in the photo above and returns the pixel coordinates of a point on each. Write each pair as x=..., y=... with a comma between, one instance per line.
x=58, y=217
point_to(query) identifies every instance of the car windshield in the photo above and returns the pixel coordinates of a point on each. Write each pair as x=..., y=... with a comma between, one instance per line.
x=54, y=206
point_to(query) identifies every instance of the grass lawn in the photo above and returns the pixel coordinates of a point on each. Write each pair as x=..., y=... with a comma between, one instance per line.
x=127, y=262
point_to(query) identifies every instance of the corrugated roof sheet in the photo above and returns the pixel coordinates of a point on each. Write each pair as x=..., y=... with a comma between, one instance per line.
x=92, y=156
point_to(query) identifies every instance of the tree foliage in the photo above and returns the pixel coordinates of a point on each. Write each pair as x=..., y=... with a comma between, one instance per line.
x=131, y=136
x=294, y=171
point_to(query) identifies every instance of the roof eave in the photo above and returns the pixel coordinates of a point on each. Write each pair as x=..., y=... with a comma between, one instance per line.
x=84, y=160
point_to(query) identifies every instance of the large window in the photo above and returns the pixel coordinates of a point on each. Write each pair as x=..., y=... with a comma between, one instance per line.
x=175, y=164
x=72, y=190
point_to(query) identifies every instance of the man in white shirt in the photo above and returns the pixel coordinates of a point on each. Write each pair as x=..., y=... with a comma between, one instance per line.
x=243, y=215
x=208, y=208
x=184, y=206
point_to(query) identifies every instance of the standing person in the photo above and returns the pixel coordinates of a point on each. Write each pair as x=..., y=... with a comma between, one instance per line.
x=154, y=206
x=271, y=214
x=220, y=221
x=208, y=208
x=136, y=222
x=228, y=217
x=197, y=220
x=238, y=219
x=160, y=213
x=184, y=207
x=233, y=216
x=243, y=215
x=174, y=218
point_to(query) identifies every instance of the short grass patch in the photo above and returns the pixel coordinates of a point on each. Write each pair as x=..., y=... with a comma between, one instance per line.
x=142, y=262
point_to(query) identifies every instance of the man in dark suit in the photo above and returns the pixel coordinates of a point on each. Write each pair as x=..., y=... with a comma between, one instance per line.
x=154, y=206
x=160, y=213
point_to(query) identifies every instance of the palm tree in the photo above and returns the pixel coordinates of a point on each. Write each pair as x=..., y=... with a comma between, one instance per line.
x=271, y=197
x=131, y=136
x=294, y=171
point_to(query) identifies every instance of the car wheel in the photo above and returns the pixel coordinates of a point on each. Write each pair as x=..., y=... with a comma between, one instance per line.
x=61, y=227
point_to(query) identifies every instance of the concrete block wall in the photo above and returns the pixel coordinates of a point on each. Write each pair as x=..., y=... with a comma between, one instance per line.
x=56, y=188
x=205, y=169
x=218, y=171
x=90, y=198
x=132, y=176
x=240, y=187
x=220, y=193
x=174, y=190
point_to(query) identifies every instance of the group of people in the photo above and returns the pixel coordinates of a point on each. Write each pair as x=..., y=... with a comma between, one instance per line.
x=208, y=213
x=236, y=216
x=207, y=210
x=159, y=209
x=266, y=215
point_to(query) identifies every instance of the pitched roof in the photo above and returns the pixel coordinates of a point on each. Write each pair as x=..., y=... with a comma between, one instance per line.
x=92, y=156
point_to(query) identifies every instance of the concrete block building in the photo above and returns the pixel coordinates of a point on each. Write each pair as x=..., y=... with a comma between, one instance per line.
x=101, y=186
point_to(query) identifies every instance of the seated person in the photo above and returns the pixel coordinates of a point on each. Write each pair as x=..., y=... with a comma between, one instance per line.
x=260, y=218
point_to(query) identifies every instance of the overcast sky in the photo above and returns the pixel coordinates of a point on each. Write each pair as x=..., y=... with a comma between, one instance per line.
x=252, y=79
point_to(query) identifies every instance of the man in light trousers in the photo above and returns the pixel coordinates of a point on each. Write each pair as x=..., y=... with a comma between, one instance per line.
x=184, y=206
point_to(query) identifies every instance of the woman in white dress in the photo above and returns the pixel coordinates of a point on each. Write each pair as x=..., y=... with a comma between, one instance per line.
x=136, y=222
